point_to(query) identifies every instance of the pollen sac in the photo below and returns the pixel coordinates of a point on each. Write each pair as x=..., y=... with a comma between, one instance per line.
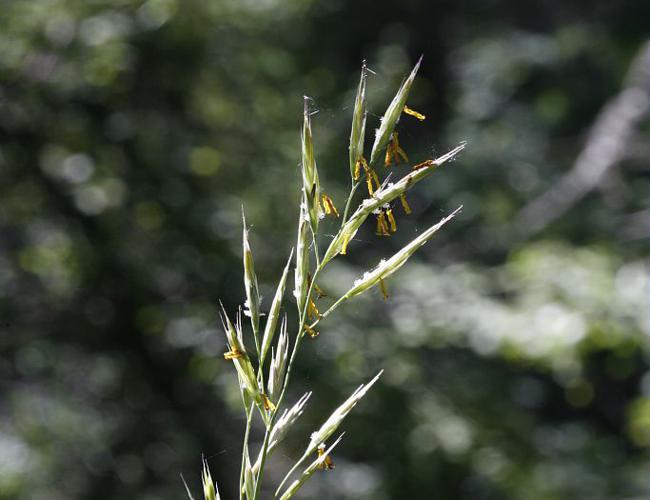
x=311, y=332
x=405, y=204
x=394, y=153
x=268, y=405
x=382, y=287
x=424, y=164
x=344, y=245
x=328, y=204
x=327, y=463
x=357, y=169
x=319, y=291
x=369, y=185
x=382, y=226
x=386, y=223
x=371, y=176
x=234, y=353
x=391, y=220
x=414, y=113
x=388, y=159
x=312, y=311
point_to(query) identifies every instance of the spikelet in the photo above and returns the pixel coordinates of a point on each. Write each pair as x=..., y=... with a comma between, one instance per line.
x=278, y=363
x=388, y=267
x=302, y=258
x=210, y=490
x=287, y=419
x=335, y=419
x=274, y=312
x=311, y=184
x=317, y=464
x=249, y=478
x=252, y=309
x=248, y=381
x=282, y=426
x=392, y=115
x=358, y=132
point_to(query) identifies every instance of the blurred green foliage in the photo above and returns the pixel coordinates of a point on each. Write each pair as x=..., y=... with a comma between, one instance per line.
x=131, y=132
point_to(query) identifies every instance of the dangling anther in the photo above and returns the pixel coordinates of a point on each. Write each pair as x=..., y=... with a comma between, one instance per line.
x=268, y=405
x=234, y=353
x=391, y=220
x=328, y=204
x=382, y=226
x=312, y=311
x=394, y=152
x=319, y=292
x=311, y=332
x=382, y=287
x=327, y=463
x=424, y=164
x=405, y=204
x=414, y=113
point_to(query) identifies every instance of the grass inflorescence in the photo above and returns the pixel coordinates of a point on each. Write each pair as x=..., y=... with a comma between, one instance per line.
x=264, y=363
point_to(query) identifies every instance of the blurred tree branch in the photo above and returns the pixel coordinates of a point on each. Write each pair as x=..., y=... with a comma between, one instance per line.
x=608, y=140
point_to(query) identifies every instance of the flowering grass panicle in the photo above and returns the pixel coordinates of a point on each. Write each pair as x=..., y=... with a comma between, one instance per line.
x=263, y=379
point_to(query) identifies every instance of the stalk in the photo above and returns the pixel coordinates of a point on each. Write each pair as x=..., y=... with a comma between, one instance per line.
x=249, y=418
x=348, y=204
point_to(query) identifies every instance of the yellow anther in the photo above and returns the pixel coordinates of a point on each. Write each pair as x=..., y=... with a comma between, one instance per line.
x=268, y=405
x=327, y=463
x=382, y=226
x=411, y=112
x=344, y=244
x=388, y=159
x=373, y=174
x=394, y=153
x=357, y=170
x=329, y=205
x=382, y=287
x=312, y=310
x=369, y=184
x=391, y=220
x=234, y=353
x=311, y=332
x=319, y=292
x=405, y=204
x=424, y=164
x=400, y=153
